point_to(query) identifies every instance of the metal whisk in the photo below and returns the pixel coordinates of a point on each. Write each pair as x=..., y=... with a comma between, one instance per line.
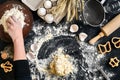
x=113, y=7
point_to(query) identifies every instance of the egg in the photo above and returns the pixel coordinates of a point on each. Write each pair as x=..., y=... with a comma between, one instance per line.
x=41, y=11
x=49, y=18
x=47, y=4
x=74, y=28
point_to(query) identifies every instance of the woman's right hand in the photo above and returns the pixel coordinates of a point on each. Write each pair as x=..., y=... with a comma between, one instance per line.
x=14, y=28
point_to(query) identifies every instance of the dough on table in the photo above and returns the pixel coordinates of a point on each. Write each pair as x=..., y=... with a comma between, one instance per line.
x=12, y=12
x=61, y=65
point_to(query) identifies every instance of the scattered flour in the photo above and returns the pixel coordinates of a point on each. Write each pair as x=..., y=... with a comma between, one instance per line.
x=43, y=65
x=92, y=58
x=89, y=61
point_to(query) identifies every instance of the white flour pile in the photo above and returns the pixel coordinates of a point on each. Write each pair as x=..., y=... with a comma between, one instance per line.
x=89, y=53
x=12, y=12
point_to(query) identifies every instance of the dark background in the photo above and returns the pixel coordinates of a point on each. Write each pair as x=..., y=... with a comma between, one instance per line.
x=91, y=31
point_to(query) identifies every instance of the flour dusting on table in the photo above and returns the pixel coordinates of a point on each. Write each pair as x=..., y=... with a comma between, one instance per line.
x=42, y=33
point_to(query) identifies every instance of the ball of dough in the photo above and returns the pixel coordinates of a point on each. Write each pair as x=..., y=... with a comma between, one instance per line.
x=12, y=12
x=61, y=65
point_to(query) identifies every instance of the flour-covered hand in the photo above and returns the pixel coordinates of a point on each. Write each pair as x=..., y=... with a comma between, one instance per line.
x=14, y=28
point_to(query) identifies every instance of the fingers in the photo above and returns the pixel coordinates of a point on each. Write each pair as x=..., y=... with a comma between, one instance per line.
x=9, y=23
x=9, y=31
x=10, y=20
x=14, y=18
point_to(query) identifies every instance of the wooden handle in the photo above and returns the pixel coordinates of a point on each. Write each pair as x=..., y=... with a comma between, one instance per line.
x=108, y=29
x=94, y=40
x=113, y=25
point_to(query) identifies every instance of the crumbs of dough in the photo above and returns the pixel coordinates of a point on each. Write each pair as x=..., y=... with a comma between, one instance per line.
x=60, y=64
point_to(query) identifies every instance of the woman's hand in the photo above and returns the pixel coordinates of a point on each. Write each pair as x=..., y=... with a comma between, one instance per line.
x=14, y=28
x=15, y=32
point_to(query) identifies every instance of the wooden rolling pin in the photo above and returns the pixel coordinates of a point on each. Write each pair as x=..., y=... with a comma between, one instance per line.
x=108, y=29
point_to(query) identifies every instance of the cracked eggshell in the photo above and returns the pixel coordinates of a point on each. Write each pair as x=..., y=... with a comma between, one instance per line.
x=34, y=47
x=30, y=56
x=47, y=4
x=74, y=28
x=41, y=11
x=49, y=18
x=83, y=36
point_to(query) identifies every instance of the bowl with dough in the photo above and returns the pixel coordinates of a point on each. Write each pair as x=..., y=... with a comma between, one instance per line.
x=22, y=14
